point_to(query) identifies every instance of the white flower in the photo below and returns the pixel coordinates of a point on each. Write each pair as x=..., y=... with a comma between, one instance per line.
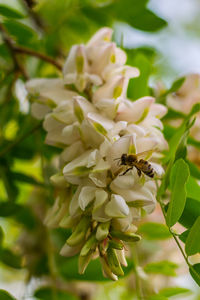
x=93, y=132
x=76, y=69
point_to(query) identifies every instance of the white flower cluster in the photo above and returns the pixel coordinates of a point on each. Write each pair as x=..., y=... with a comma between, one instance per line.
x=87, y=114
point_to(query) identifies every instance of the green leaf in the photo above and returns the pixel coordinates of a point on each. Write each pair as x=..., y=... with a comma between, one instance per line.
x=195, y=109
x=21, y=213
x=176, y=85
x=195, y=273
x=21, y=32
x=157, y=297
x=192, y=245
x=136, y=15
x=154, y=231
x=173, y=114
x=194, y=170
x=193, y=188
x=8, y=208
x=26, y=179
x=68, y=268
x=173, y=291
x=193, y=142
x=178, y=139
x=191, y=212
x=1, y=236
x=162, y=267
x=10, y=259
x=146, y=20
x=183, y=236
x=10, y=12
x=4, y=295
x=138, y=87
x=47, y=293
x=10, y=186
x=178, y=178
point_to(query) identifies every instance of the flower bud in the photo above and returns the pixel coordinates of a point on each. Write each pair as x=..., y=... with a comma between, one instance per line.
x=125, y=236
x=79, y=233
x=113, y=262
x=102, y=231
x=89, y=245
x=116, y=244
x=106, y=269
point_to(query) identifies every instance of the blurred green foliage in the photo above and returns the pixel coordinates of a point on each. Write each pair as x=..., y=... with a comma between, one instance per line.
x=51, y=27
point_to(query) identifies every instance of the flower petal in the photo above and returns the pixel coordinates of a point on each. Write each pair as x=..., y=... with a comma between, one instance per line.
x=117, y=207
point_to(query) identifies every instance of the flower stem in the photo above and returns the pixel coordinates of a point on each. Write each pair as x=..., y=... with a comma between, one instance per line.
x=177, y=241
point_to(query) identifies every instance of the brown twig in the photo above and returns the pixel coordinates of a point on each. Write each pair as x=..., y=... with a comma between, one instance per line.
x=10, y=44
x=24, y=50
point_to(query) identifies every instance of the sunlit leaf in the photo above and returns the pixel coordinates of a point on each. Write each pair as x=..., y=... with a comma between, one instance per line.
x=173, y=291
x=193, y=188
x=157, y=297
x=162, y=267
x=154, y=231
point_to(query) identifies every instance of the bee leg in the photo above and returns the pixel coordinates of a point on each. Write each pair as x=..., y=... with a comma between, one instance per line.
x=139, y=172
x=126, y=171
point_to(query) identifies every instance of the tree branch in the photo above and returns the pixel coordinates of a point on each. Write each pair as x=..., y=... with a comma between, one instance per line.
x=24, y=50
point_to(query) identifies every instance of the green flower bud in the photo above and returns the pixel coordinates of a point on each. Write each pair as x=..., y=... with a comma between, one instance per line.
x=89, y=245
x=102, y=231
x=113, y=262
x=79, y=233
x=79, y=63
x=116, y=244
x=125, y=236
x=83, y=262
x=106, y=269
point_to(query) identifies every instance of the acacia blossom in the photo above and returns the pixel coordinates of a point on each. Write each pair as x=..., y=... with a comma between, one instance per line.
x=87, y=114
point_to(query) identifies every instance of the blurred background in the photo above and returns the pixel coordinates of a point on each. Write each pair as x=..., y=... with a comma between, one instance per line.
x=162, y=38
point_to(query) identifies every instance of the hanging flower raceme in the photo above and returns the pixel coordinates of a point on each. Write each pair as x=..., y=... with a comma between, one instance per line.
x=88, y=115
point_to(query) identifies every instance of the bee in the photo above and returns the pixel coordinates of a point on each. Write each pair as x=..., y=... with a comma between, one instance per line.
x=132, y=160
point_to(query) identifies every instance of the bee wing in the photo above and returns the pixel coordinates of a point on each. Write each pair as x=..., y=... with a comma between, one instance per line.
x=145, y=154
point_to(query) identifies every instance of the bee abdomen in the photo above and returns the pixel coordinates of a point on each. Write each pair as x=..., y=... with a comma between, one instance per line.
x=150, y=172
